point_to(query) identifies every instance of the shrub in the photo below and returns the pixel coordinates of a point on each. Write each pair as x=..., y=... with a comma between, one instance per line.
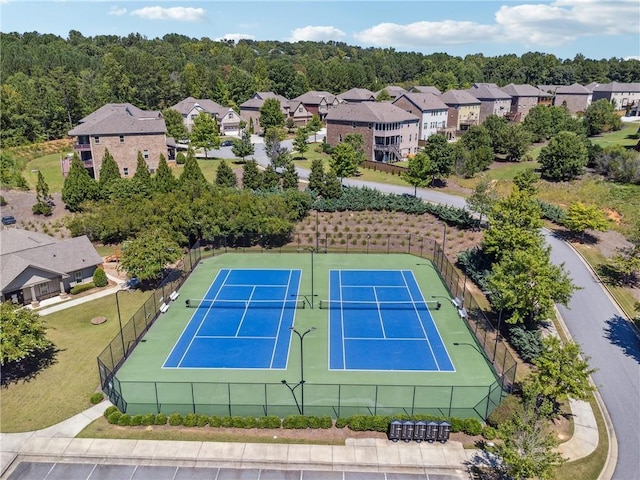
x=161, y=419
x=250, y=422
x=83, y=287
x=202, y=420
x=100, y=278
x=505, y=411
x=270, y=421
x=472, y=426
x=3, y=201
x=175, y=419
x=114, y=417
x=326, y=422
x=528, y=343
x=215, y=421
x=226, y=422
x=489, y=433
x=359, y=423
x=124, y=420
x=295, y=421
x=148, y=419
x=237, y=422
x=96, y=398
x=109, y=410
x=136, y=421
x=457, y=424
x=313, y=421
x=342, y=422
x=552, y=212
x=180, y=158
x=190, y=420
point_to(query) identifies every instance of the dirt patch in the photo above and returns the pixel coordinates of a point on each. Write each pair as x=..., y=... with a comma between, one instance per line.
x=19, y=204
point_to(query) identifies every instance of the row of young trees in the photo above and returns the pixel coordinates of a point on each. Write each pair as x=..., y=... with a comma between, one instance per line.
x=49, y=82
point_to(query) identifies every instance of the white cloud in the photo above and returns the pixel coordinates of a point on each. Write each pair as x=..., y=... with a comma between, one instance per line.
x=316, y=34
x=545, y=24
x=632, y=57
x=236, y=37
x=178, y=14
x=423, y=34
x=117, y=11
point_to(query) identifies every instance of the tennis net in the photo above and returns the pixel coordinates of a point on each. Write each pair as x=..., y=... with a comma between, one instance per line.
x=244, y=304
x=387, y=305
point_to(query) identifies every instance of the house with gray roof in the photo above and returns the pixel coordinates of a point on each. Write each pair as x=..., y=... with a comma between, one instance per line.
x=394, y=91
x=493, y=101
x=357, y=95
x=124, y=130
x=227, y=119
x=390, y=133
x=523, y=99
x=318, y=102
x=621, y=95
x=464, y=109
x=250, y=110
x=425, y=89
x=36, y=266
x=575, y=97
x=432, y=111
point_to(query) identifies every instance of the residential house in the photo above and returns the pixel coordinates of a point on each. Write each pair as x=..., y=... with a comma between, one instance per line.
x=575, y=97
x=464, y=109
x=390, y=133
x=36, y=266
x=124, y=130
x=357, y=95
x=621, y=95
x=227, y=119
x=250, y=110
x=318, y=102
x=432, y=111
x=394, y=91
x=493, y=101
x=426, y=89
x=523, y=99
x=299, y=113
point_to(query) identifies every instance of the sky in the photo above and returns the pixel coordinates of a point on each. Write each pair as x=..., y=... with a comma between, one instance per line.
x=594, y=28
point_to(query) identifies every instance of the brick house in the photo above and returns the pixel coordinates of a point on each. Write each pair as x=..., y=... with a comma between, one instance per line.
x=250, y=110
x=36, y=266
x=622, y=95
x=432, y=111
x=125, y=130
x=357, y=95
x=493, y=101
x=318, y=102
x=299, y=113
x=464, y=109
x=523, y=99
x=390, y=133
x=228, y=120
x=575, y=97
x=394, y=91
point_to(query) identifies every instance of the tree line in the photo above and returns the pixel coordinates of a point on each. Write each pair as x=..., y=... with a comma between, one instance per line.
x=50, y=82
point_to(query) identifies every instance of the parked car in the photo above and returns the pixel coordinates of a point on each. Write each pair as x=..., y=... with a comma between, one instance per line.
x=8, y=220
x=226, y=143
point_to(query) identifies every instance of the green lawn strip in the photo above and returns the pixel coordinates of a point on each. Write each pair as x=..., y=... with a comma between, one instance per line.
x=627, y=136
x=51, y=170
x=63, y=389
x=100, y=428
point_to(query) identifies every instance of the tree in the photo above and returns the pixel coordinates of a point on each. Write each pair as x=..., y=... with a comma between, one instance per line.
x=529, y=284
x=564, y=158
x=225, y=176
x=43, y=198
x=601, y=117
x=581, y=217
x=290, y=124
x=243, y=147
x=251, y=175
x=625, y=262
x=344, y=160
x=495, y=126
x=482, y=199
x=419, y=172
x=383, y=96
x=315, y=125
x=356, y=140
x=277, y=153
x=78, y=186
x=526, y=181
x=109, y=171
x=618, y=163
x=316, y=177
x=175, y=124
x=441, y=154
x=145, y=256
x=270, y=178
x=562, y=372
x=514, y=142
x=164, y=181
x=301, y=142
x=22, y=334
x=271, y=114
x=290, y=177
x=142, y=175
x=204, y=133
x=332, y=185
x=191, y=177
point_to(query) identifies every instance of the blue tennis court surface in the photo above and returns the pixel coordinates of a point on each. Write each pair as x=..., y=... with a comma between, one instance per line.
x=379, y=320
x=243, y=322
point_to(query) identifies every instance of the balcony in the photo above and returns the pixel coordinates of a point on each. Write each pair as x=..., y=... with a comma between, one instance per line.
x=82, y=147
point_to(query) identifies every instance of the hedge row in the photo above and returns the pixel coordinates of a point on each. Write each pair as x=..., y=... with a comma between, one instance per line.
x=83, y=287
x=373, y=423
x=553, y=213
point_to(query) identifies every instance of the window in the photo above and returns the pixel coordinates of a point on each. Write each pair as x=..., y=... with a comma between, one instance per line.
x=300, y=109
x=230, y=114
x=353, y=124
x=152, y=171
x=78, y=277
x=145, y=154
x=44, y=288
x=125, y=171
x=96, y=140
x=340, y=138
x=121, y=138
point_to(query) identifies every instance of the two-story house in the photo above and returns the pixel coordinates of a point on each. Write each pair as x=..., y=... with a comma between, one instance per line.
x=227, y=119
x=523, y=99
x=493, y=101
x=250, y=110
x=464, y=109
x=357, y=95
x=318, y=102
x=124, y=130
x=621, y=95
x=432, y=111
x=390, y=133
x=575, y=97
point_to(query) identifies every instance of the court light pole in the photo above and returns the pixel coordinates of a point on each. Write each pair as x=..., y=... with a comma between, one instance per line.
x=120, y=321
x=301, y=383
x=312, y=251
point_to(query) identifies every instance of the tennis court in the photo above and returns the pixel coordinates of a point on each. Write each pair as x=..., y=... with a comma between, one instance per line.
x=379, y=320
x=242, y=322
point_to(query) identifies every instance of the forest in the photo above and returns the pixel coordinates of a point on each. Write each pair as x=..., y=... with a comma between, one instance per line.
x=49, y=82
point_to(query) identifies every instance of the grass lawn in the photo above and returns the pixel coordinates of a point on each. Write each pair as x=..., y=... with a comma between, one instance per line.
x=49, y=165
x=627, y=136
x=63, y=389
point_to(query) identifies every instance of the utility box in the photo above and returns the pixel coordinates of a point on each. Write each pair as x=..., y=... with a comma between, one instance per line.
x=408, y=426
x=444, y=429
x=420, y=431
x=395, y=430
x=432, y=432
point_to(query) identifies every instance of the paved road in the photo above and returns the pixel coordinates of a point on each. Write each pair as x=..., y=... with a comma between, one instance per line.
x=594, y=321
